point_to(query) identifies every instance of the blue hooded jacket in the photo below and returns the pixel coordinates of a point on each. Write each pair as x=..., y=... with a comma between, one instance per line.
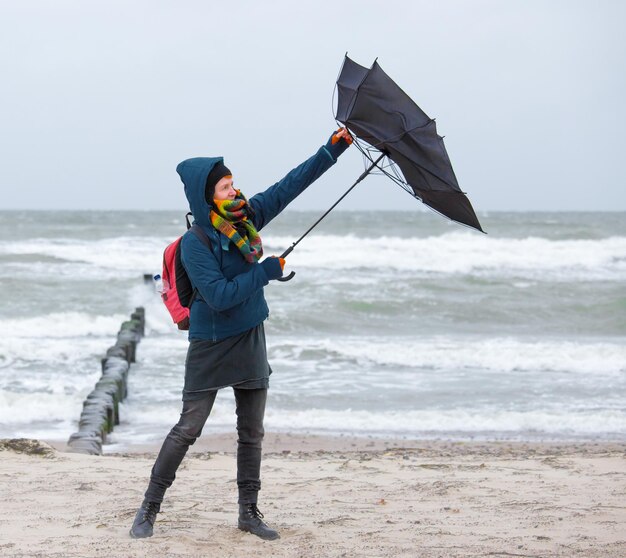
x=231, y=289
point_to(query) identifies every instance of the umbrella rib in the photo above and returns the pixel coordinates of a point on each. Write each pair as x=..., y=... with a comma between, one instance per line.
x=394, y=177
x=358, y=87
x=401, y=134
x=375, y=146
x=406, y=187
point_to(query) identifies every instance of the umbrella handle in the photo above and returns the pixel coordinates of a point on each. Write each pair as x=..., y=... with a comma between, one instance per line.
x=284, y=255
x=288, y=278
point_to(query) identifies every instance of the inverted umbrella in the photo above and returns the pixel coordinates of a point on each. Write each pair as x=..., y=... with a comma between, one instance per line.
x=375, y=110
x=372, y=106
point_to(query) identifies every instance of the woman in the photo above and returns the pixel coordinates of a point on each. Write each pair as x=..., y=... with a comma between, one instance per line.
x=227, y=340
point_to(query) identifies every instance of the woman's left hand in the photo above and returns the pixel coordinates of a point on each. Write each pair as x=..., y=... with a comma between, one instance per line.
x=342, y=134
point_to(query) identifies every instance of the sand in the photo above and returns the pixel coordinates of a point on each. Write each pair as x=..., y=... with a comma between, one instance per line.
x=335, y=497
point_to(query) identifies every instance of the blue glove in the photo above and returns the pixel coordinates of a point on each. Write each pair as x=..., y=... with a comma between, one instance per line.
x=272, y=267
x=336, y=146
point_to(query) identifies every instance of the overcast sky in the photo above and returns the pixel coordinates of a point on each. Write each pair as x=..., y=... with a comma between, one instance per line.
x=101, y=99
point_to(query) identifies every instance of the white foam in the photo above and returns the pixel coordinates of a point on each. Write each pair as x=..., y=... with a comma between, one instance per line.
x=46, y=404
x=49, y=363
x=501, y=354
x=63, y=325
x=22, y=409
x=105, y=258
x=449, y=253
x=414, y=423
x=466, y=253
x=145, y=424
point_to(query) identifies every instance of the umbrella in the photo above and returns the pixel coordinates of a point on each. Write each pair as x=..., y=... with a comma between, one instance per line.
x=372, y=106
x=375, y=110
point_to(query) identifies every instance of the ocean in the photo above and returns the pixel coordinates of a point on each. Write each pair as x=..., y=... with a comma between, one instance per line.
x=400, y=325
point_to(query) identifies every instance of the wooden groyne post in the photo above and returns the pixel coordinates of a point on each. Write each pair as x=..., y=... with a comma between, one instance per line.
x=101, y=407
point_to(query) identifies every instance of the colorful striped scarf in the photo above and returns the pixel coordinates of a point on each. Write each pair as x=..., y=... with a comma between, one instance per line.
x=230, y=217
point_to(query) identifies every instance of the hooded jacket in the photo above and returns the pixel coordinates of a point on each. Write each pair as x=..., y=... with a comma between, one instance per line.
x=231, y=289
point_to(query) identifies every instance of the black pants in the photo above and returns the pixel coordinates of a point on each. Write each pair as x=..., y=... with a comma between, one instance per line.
x=250, y=412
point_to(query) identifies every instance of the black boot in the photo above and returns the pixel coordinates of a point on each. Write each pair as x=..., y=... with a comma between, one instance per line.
x=144, y=520
x=251, y=520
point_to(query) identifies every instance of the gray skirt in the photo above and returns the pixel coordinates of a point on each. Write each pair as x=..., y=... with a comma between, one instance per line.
x=239, y=361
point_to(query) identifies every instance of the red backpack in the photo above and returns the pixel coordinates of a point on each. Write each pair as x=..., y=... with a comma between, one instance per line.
x=178, y=293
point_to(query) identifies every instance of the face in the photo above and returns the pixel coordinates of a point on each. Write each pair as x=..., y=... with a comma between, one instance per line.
x=224, y=189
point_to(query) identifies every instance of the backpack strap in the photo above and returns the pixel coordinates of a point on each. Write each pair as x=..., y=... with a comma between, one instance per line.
x=204, y=238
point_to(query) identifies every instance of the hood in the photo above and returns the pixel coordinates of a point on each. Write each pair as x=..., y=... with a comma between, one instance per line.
x=193, y=173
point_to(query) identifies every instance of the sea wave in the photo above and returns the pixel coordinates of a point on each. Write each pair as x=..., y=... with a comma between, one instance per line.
x=125, y=255
x=501, y=354
x=451, y=422
x=464, y=253
x=144, y=423
x=26, y=409
x=62, y=325
x=449, y=253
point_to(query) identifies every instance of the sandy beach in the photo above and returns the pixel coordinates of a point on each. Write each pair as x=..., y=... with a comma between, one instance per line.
x=336, y=497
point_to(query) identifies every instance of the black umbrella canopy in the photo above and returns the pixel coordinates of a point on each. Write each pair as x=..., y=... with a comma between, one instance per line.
x=372, y=106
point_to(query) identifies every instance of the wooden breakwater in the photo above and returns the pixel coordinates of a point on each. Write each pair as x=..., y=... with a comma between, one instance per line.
x=100, y=411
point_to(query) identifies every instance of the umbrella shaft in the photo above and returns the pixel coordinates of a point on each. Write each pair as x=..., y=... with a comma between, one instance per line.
x=365, y=173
